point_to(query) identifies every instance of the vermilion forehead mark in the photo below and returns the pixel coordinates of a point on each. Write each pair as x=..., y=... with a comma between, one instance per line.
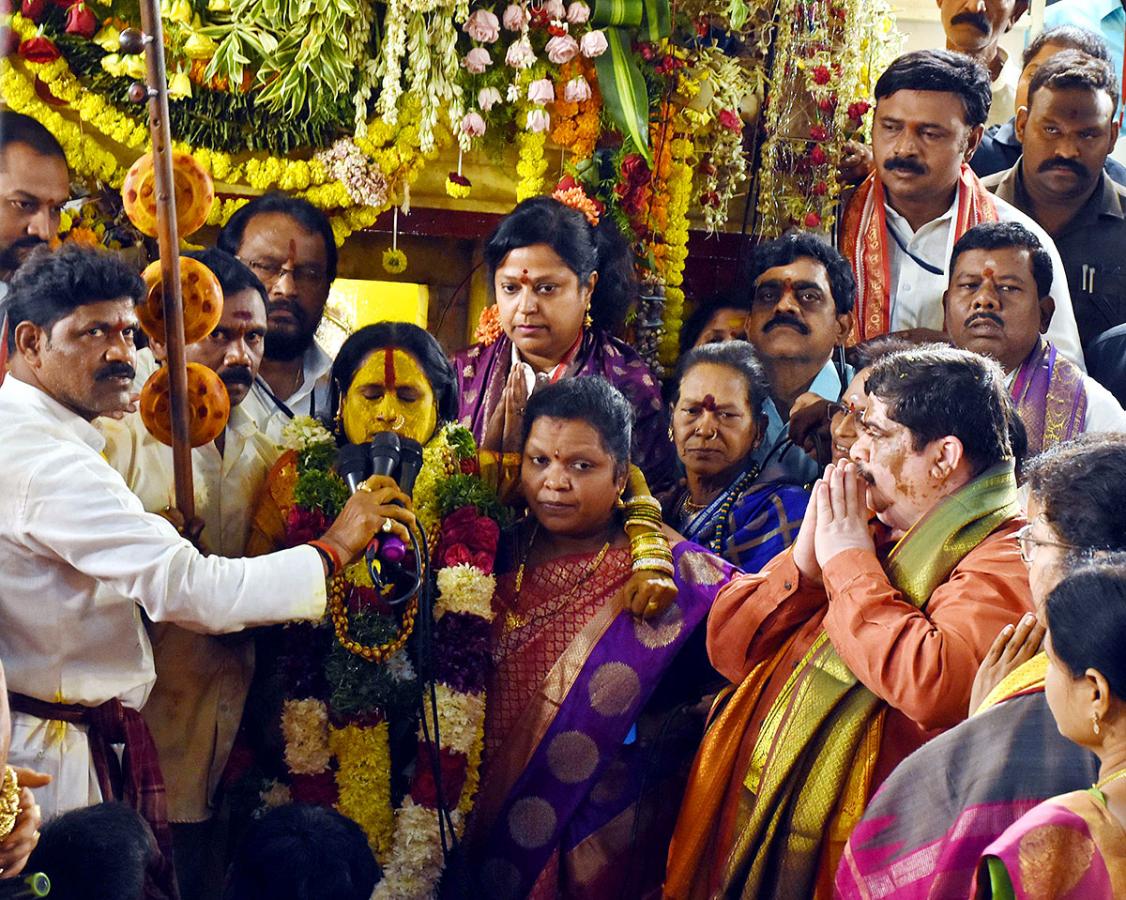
x=524, y=276
x=708, y=402
x=388, y=369
x=987, y=272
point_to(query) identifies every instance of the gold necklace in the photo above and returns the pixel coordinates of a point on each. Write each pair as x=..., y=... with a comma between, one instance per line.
x=1121, y=773
x=513, y=620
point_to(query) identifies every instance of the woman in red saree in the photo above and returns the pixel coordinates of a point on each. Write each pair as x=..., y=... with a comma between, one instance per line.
x=1073, y=847
x=566, y=743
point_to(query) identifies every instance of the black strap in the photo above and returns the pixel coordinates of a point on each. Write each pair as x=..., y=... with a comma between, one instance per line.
x=260, y=382
x=921, y=263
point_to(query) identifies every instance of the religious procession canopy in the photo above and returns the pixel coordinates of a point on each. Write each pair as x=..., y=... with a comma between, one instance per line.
x=729, y=113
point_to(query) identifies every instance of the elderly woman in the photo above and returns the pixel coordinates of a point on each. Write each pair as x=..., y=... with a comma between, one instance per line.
x=562, y=287
x=565, y=755
x=718, y=420
x=1074, y=845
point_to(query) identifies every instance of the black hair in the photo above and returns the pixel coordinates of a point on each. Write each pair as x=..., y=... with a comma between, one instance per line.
x=866, y=353
x=945, y=71
x=591, y=399
x=405, y=336
x=301, y=211
x=99, y=852
x=1087, y=621
x=1072, y=70
x=16, y=128
x=694, y=325
x=1018, y=439
x=1079, y=487
x=234, y=275
x=740, y=357
x=999, y=235
x=302, y=852
x=784, y=250
x=51, y=285
x=936, y=391
x=1070, y=36
x=584, y=248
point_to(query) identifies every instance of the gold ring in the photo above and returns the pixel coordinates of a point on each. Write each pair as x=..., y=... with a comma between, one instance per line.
x=365, y=487
x=386, y=526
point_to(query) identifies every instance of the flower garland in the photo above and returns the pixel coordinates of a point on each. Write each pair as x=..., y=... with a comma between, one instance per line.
x=577, y=112
x=337, y=737
x=531, y=139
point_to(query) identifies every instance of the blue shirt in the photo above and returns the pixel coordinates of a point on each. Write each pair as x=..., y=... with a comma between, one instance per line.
x=777, y=456
x=999, y=151
x=1105, y=18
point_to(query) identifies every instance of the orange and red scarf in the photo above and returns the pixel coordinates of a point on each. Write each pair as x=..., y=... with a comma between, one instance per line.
x=865, y=243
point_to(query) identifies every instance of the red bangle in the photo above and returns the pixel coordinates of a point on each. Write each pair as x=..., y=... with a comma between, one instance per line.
x=329, y=555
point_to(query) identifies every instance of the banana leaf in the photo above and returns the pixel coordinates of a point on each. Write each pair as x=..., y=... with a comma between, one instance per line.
x=623, y=91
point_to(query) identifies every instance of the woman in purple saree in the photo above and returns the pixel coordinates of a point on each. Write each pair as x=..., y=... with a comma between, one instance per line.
x=563, y=285
x=566, y=740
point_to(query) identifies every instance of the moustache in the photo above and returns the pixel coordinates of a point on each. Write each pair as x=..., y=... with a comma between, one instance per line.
x=15, y=253
x=289, y=306
x=865, y=474
x=905, y=164
x=116, y=370
x=992, y=317
x=977, y=20
x=1069, y=164
x=784, y=319
x=237, y=375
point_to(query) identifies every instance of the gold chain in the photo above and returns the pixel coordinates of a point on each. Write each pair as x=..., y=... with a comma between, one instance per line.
x=513, y=620
x=1121, y=773
x=338, y=611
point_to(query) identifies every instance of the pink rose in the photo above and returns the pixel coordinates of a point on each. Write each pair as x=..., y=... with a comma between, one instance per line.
x=541, y=91
x=730, y=120
x=562, y=49
x=472, y=124
x=482, y=26
x=514, y=17
x=488, y=97
x=477, y=60
x=576, y=90
x=520, y=54
x=578, y=13
x=593, y=44
x=538, y=120
x=553, y=9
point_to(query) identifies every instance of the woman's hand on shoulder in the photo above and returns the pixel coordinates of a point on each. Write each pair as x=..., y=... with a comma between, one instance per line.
x=647, y=594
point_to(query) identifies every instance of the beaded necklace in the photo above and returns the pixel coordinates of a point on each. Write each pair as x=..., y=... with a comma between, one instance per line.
x=721, y=517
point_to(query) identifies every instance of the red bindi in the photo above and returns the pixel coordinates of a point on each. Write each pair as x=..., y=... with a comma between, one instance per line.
x=987, y=272
x=708, y=403
x=524, y=277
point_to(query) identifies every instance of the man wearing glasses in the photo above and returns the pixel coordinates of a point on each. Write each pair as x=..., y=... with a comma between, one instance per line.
x=923, y=833
x=288, y=244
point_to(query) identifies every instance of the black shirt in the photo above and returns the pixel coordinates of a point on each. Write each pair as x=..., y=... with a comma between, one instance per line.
x=1093, y=249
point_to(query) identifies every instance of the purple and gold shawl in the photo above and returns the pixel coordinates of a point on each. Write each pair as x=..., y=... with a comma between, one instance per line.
x=1050, y=397
x=483, y=369
x=569, y=793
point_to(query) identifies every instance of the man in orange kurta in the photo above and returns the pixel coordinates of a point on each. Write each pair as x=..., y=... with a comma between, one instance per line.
x=850, y=650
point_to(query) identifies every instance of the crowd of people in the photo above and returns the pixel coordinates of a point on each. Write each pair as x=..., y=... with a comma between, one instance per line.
x=838, y=610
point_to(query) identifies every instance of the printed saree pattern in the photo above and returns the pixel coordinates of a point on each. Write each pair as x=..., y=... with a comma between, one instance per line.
x=1050, y=397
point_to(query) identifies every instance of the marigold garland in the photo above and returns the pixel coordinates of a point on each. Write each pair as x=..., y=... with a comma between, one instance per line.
x=363, y=777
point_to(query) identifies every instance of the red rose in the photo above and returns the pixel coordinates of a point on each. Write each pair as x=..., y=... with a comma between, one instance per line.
x=827, y=104
x=39, y=50
x=468, y=537
x=857, y=110
x=423, y=789
x=635, y=171
x=469, y=466
x=566, y=183
x=821, y=75
x=817, y=156
x=812, y=220
x=80, y=21
x=319, y=789
x=820, y=189
x=33, y=9
x=730, y=120
x=818, y=133
x=303, y=525
x=455, y=555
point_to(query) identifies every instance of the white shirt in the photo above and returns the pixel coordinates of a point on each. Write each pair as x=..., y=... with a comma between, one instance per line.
x=79, y=560
x=310, y=399
x=1004, y=89
x=202, y=680
x=917, y=293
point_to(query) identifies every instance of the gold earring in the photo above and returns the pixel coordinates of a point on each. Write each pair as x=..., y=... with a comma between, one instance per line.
x=587, y=320
x=1095, y=722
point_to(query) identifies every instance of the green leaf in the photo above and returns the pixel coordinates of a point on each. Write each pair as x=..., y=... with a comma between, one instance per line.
x=658, y=22
x=623, y=91
x=617, y=13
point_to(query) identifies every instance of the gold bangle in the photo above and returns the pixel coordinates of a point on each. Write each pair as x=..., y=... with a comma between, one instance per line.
x=648, y=564
x=9, y=802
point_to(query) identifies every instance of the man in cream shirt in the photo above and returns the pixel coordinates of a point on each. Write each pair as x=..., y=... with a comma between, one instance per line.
x=202, y=680
x=80, y=559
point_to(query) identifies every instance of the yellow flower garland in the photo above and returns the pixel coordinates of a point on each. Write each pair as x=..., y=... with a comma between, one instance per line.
x=363, y=781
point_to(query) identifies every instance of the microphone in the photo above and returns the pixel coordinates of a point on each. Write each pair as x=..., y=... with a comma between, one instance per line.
x=385, y=454
x=352, y=465
x=410, y=464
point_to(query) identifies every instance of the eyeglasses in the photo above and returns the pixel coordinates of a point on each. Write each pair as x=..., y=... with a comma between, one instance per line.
x=1028, y=543
x=271, y=272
